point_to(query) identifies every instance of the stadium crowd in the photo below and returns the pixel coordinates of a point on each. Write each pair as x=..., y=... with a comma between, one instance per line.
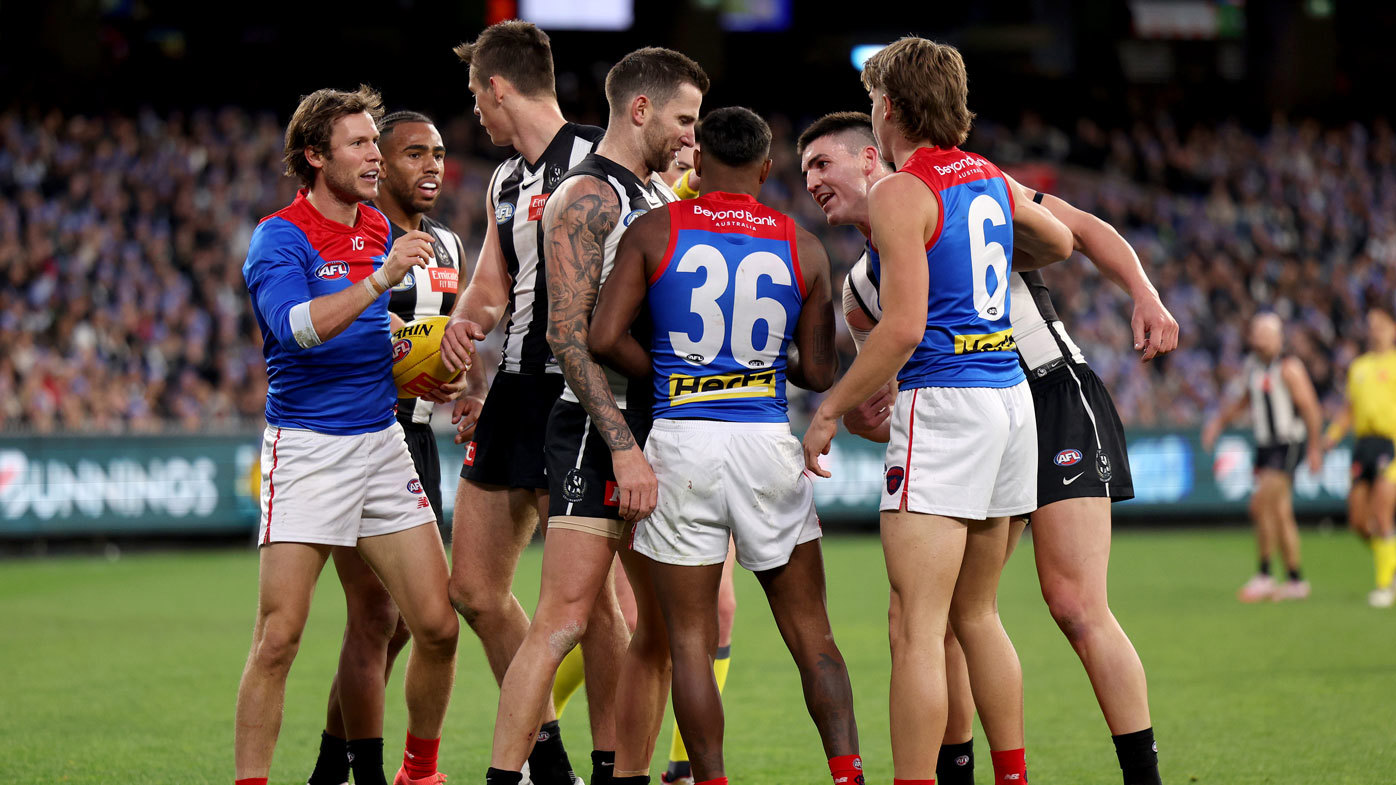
x=122, y=305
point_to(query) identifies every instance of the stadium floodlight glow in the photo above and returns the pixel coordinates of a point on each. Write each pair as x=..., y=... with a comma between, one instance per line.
x=862, y=52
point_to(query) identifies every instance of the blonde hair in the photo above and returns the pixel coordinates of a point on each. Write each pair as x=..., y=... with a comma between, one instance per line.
x=928, y=88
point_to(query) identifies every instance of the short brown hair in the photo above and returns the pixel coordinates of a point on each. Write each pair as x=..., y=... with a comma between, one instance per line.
x=313, y=122
x=928, y=87
x=858, y=124
x=654, y=72
x=515, y=50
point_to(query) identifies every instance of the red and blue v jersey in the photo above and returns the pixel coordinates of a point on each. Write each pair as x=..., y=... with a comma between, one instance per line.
x=344, y=385
x=723, y=306
x=969, y=338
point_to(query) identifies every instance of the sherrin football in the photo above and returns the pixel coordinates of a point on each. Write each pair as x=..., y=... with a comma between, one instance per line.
x=417, y=365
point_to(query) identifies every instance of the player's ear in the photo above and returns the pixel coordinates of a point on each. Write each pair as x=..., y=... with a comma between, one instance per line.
x=765, y=172
x=639, y=108
x=314, y=157
x=698, y=162
x=871, y=158
x=497, y=89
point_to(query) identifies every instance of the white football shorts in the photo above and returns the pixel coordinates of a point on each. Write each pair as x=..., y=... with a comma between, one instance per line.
x=332, y=490
x=962, y=452
x=719, y=479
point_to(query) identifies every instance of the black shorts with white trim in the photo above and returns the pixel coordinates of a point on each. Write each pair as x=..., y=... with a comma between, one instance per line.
x=1080, y=439
x=581, y=480
x=507, y=448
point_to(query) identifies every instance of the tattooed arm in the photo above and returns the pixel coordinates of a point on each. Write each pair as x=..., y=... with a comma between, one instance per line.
x=579, y=216
x=813, y=361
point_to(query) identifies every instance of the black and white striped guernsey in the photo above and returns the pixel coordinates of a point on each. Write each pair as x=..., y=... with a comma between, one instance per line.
x=428, y=292
x=636, y=197
x=518, y=191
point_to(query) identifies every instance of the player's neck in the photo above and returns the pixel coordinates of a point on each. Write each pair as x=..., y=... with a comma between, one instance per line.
x=535, y=127
x=323, y=199
x=902, y=148
x=726, y=183
x=624, y=151
x=401, y=217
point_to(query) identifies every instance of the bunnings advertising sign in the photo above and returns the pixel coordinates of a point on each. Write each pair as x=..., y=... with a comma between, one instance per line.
x=77, y=485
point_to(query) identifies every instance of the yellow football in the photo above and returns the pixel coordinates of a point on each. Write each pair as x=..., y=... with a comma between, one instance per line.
x=417, y=365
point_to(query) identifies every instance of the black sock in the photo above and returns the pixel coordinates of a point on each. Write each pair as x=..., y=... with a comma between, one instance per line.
x=366, y=759
x=1264, y=566
x=548, y=763
x=501, y=777
x=638, y=779
x=603, y=767
x=679, y=769
x=1294, y=574
x=1138, y=754
x=332, y=766
x=956, y=764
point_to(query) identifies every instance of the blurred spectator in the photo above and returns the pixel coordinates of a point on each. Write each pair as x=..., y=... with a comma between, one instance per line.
x=122, y=304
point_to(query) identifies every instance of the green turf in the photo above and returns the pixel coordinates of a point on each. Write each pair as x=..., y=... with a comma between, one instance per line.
x=126, y=671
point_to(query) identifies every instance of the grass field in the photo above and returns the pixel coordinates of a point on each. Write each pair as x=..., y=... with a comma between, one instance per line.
x=126, y=671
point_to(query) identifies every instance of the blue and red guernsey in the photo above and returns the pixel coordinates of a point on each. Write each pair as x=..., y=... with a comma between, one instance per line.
x=969, y=338
x=344, y=385
x=723, y=305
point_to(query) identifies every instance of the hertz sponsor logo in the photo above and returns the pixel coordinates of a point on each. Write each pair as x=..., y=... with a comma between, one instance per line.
x=701, y=389
x=1001, y=341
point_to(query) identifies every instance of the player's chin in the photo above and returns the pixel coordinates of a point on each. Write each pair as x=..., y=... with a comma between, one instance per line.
x=423, y=204
x=366, y=189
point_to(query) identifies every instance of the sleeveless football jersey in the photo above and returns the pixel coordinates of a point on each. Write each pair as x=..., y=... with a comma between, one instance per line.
x=723, y=306
x=969, y=338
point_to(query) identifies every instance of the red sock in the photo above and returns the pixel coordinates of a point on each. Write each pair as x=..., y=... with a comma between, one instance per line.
x=847, y=769
x=1010, y=766
x=718, y=781
x=896, y=781
x=419, y=759
x=251, y=781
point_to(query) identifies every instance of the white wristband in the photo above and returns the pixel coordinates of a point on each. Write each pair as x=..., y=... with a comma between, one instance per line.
x=302, y=328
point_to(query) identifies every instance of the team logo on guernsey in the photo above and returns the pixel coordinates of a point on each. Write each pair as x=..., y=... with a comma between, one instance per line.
x=702, y=389
x=414, y=485
x=574, y=486
x=401, y=348
x=895, y=475
x=408, y=281
x=330, y=271
x=1068, y=458
x=504, y=212
x=1001, y=341
x=632, y=215
x=1103, y=468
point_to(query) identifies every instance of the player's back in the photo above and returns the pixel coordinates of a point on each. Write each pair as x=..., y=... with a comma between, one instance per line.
x=344, y=385
x=1372, y=393
x=969, y=337
x=723, y=307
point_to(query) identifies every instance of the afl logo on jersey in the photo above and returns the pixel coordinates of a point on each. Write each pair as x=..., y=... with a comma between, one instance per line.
x=407, y=282
x=414, y=485
x=401, y=349
x=632, y=215
x=330, y=271
x=1068, y=458
x=504, y=212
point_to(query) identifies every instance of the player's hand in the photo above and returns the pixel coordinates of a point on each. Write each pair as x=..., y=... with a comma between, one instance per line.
x=1315, y=459
x=636, y=483
x=1155, y=329
x=868, y=418
x=466, y=415
x=447, y=392
x=410, y=250
x=458, y=343
x=816, y=442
